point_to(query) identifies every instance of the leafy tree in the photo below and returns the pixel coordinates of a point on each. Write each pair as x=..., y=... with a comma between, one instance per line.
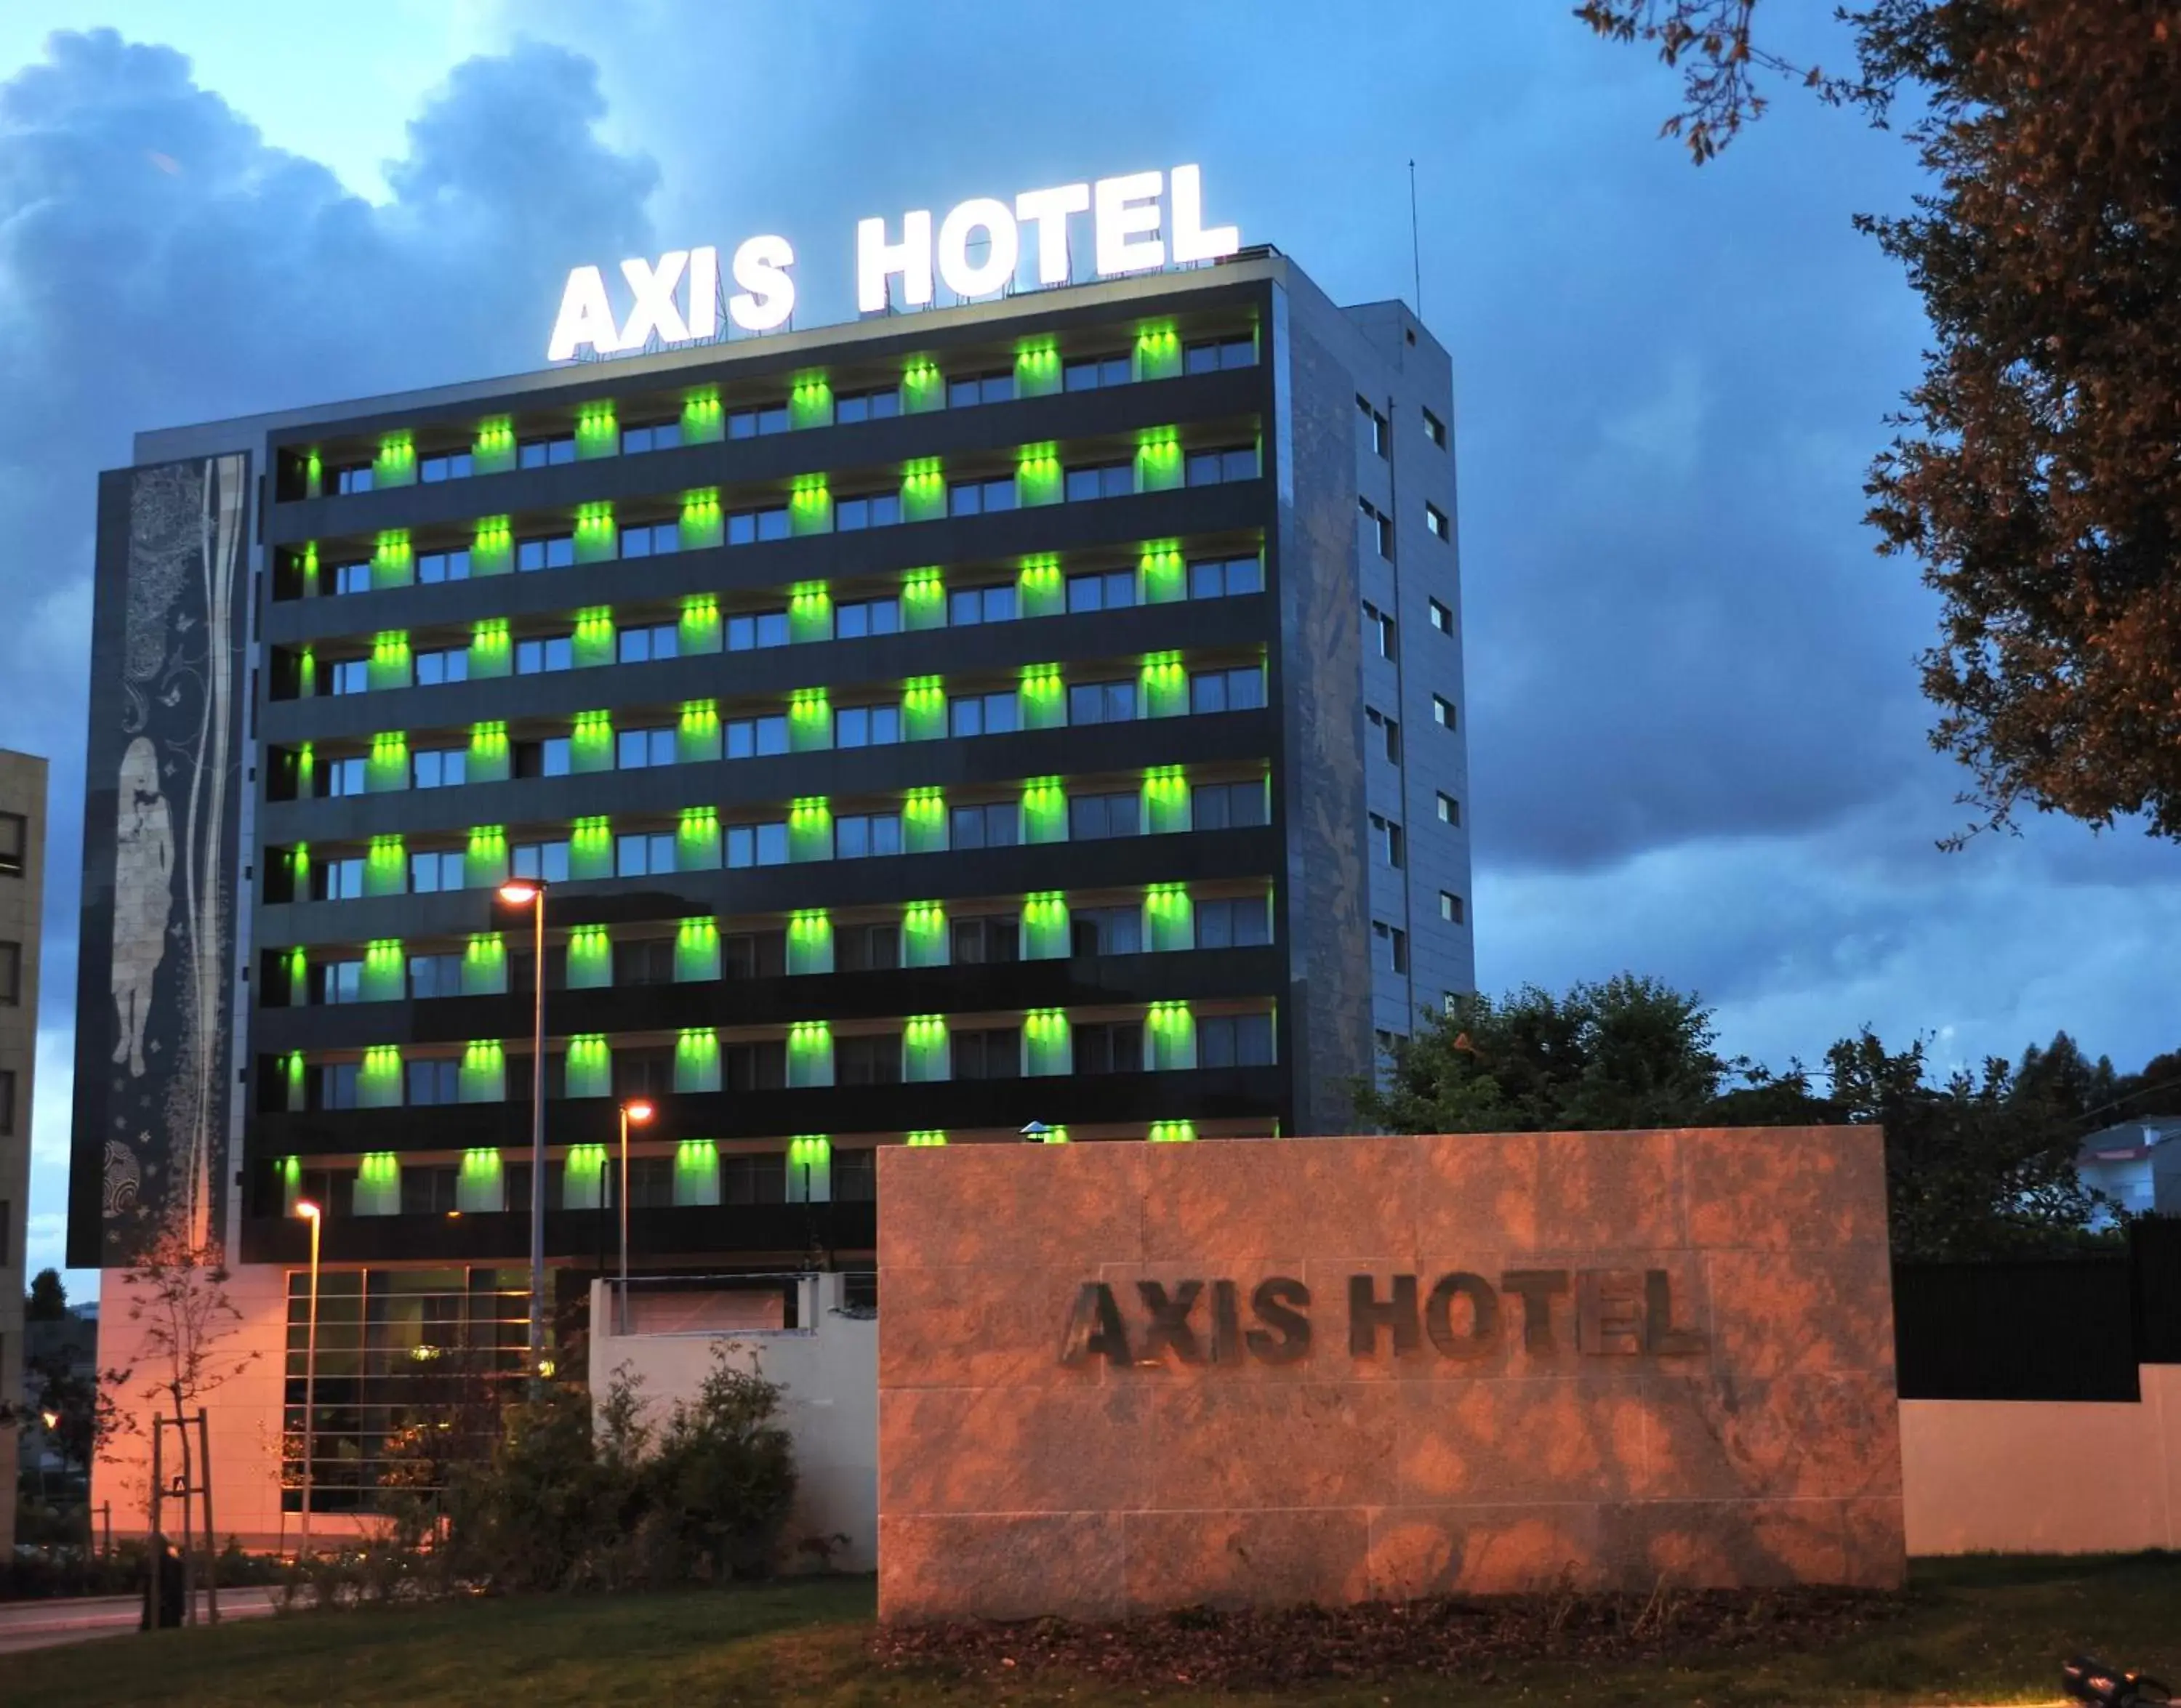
x=726, y=1467
x=46, y=1301
x=2035, y=475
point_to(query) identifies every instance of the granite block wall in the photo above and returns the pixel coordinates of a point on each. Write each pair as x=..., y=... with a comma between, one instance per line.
x=1115, y=1378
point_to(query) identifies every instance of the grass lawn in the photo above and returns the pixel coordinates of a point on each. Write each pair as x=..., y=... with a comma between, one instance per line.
x=1981, y=1631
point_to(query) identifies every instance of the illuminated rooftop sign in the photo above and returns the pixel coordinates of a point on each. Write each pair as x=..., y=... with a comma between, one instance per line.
x=676, y=299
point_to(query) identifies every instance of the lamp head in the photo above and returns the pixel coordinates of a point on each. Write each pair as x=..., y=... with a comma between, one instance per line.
x=306, y=1209
x=638, y=1110
x=521, y=892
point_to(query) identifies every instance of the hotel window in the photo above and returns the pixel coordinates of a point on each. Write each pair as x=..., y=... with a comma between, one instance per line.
x=1442, y=618
x=1389, y=946
x=761, y=1065
x=1094, y=818
x=432, y=976
x=980, y=498
x=1379, y=631
x=634, y=750
x=1212, y=355
x=749, y=527
x=650, y=1178
x=754, y=954
x=753, y=423
x=866, y=726
x=1226, y=805
x=650, y=644
x=866, y=510
x=758, y=845
x=1449, y=810
x=1374, y=424
x=1094, y=372
x=1102, y=703
x=1106, y=931
x=981, y=387
x=1390, y=732
x=647, y=960
x=11, y=975
x=866, y=405
x=1108, y=590
x=438, y=767
x=1235, y=1040
x=865, y=836
x=854, y=619
x=1241, y=689
x=1386, y=840
x=545, y=552
x=337, y=982
x=751, y=738
x=1222, y=578
x=1449, y=907
x=868, y=1060
x=429, y=1191
x=750, y=630
x=644, y=854
x=968, y=605
x=338, y=880
x=855, y=1179
x=430, y=1082
x=993, y=1053
x=355, y=479
x=985, y=941
x=435, y=567
x=450, y=664
x=548, y=757
x=434, y=871
x=349, y=676
x=992, y=825
x=352, y=578
x=544, y=653
x=1111, y=1046
x=541, y=453
x=548, y=861
x=982, y=714
x=1101, y=481
x=331, y=1085
x=643, y=1073
x=1434, y=429
x=655, y=541
x=1435, y=519
x=1442, y=712
x=14, y=839
x=753, y=1179
x=345, y=778
x=1377, y=529
x=1241, y=922
x=455, y=465
x=652, y=436
x=866, y=948
x=1211, y=468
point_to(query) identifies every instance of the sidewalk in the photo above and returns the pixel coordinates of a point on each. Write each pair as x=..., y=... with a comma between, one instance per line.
x=45, y=1624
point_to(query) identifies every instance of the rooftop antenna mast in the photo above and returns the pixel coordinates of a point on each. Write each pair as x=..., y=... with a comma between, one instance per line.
x=1416, y=249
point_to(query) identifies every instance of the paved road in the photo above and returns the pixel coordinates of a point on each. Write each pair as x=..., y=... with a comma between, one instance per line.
x=44, y=1624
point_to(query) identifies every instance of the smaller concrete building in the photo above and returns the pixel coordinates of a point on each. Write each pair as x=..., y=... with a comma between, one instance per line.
x=22, y=894
x=2136, y=1164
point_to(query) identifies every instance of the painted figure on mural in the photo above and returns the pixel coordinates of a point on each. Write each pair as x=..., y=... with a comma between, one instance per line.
x=143, y=897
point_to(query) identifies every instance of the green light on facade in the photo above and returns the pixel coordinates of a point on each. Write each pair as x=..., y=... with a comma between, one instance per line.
x=922, y=387
x=924, y=1055
x=925, y=1136
x=299, y=868
x=481, y=1185
x=392, y=564
x=492, y=552
x=385, y=867
x=307, y=771
x=591, y=742
x=810, y=402
x=809, y=942
x=1044, y=810
x=309, y=568
x=697, y=733
x=809, y=1168
x=291, y=1184
x=387, y=768
x=395, y=463
x=590, y=958
x=593, y=642
x=296, y=1074
x=584, y=1178
x=923, y=939
x=1162, y=686
x=299, y=974
x=703, y=417
x=1047, y=1045
x=377, y=1184
x=484, y=965
x=703, y=523
x=492, y=452
x=1157, y=353
x=378, y=1079
x=492, y=650
x=491, y=758
x=389, y=666
x=696, y=950
x=1045, y=927
x=597, y=433
x=1158, y=460
x=923, y=709
x=698, y=631
x=697, y=1171
x=1043, y=697
x=590, y=849
x=1056, y=1135
x=1165, y=800
x=597, y=541
x=1169, y=917
x=384, y=977
x=809, y=506
x=307, y=675
x=314, y=475
x=697, y=1061
x=923, y=490
x=1161, y=573
x=1037, y=367
x=483, y=1079
x=809, y=612
x=1041, y=589
x=810, y=830
x=1038, y=479
x=923, y=599
x=1171, y=1030
x=1172, y=1133
x=590, y=1066
x=924, y=821
x=809, y=721
x=484, y=861
x=810, y=1053
x=696, y=849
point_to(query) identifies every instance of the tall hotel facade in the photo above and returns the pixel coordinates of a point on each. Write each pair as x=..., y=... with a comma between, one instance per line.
x=1045, y=712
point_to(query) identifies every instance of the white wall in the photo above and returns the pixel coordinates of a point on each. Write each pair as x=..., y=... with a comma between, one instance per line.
x=831, y=1371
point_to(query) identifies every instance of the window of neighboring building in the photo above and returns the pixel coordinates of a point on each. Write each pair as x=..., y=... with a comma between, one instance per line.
x=1379, y=632
x=1212, y=355
x=1111, y=1046
x=1373, y=425
x=1386, y=840
x=11, y=975
x=1217, y=578
x=447, y=664
x=435, y=567
x=1235, y=1040
x=1377, y=529
x=855, y=618
x=985, y=940
x=972, y=388
x=1240, y=922
x=867, y=1060
x=1102, y=703
x=1093, y=817
x=1226, y=805
x=750, y=738
x=1390, y=732
x=1450, y=809
x=545, y=552
x=850, y=406
x=866, y=836
x=1449, y=907
x=1434, y=429
x=651, y=436
x=1442, y=618
x=866, y=510
x=753, y=423
x=989, y=1053
x=655, y=541
x=1442, y=712
x=750, y=527
x=7, y=1102
x=541, y=453
x=758, y=845
x=983, y=715
x=1241, y=689
x=1435, y=519
x=1099, y=481
x=1212, y=468
x=1108, y=590
x=1106, y=931
x=980, y=498
x=14, y=839
x=649, y=643
x=1092, y=372
x=1389, y=946
x=966, y=605
x=438, y=767
x=866, y=726
x=750, y=630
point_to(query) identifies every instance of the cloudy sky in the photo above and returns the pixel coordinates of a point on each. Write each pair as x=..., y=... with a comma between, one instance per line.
x=1697, y=743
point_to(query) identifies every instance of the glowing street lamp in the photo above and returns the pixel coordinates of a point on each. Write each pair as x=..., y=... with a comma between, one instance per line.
x=639, y=1110
x=530, y=892
x=310, y=1213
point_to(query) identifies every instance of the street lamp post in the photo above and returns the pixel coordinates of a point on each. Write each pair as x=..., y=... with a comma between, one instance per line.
x=530, y=892
x=310, y=1213
x=640, y=1110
